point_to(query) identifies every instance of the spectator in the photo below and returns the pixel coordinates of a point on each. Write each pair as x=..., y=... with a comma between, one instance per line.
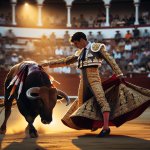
x=141, y=20
x=147, y=43
x=2, y=19
x=136, y=61
x=82, y=21
x=10, y=37
x=146, y=33
x=134, y=44
x=131, y=20
x=123, y=63
x=128, y=35
x=117, y=55
x=108, y=46
x=90, y=22
x=121, y=45
x=136, y=32
x=9, y=18
x=30, y=48
x=14, y=59
x=51, y=20
x=130, y=67
x=99, y=37
x=52, y=39
x=97, y=21
x=125, y=20
x=20, y=58
x=66, y=38
x=1, y=38
x=90, y=37
x=117, y=36
x=2, y=58
x=75, y=23
x=44, y=43
x=128, y=46
x=141, y=43
x=59, y=51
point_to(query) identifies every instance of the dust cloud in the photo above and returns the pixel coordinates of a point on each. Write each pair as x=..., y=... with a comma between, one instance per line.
x=17, y=123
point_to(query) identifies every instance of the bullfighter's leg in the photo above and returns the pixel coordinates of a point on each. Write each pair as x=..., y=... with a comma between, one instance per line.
x=97, y=90
x=8, y=105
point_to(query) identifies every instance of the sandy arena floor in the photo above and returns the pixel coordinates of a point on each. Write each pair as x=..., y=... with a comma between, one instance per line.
x=133, y=135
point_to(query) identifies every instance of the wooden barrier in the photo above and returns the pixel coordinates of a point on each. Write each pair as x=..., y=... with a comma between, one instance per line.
x=70, y=82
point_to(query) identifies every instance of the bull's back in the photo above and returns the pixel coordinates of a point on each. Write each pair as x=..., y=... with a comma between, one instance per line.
x=13, y=71
x=37, y=79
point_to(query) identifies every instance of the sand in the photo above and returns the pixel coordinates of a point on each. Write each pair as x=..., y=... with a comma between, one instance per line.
x=134, y=134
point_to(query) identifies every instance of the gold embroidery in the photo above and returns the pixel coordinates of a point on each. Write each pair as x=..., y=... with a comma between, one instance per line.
x=95, y=47
x=78, y=52
x=94, y=81
x=110, y=61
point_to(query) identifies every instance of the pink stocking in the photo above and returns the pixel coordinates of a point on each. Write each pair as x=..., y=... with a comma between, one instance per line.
x=106, y=120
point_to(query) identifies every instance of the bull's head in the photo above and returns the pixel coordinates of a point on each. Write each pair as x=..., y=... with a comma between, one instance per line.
x=47, y=98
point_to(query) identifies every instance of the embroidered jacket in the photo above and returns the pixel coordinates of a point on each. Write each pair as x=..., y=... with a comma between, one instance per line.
x=96, y=52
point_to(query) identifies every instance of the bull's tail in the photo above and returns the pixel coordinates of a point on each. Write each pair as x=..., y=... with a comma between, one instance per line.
x=1, y=105
x=2, y=109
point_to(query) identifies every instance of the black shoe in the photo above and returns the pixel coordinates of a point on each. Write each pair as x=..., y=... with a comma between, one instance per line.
x=104, y=133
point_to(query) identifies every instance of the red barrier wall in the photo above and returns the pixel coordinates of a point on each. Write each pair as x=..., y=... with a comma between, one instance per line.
x=69, y=83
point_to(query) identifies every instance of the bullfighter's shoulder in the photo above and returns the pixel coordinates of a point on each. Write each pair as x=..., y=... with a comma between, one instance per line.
x=95, y=47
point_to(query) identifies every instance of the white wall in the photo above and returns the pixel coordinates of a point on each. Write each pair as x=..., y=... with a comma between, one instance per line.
x=38, y=32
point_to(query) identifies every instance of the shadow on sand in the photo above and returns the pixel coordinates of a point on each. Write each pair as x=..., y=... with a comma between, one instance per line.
x=25, y=144
x=1, y=139
x=91, y=142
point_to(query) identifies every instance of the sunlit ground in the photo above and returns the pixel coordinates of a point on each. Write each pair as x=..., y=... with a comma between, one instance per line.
x=17, y=123
x=134, y=134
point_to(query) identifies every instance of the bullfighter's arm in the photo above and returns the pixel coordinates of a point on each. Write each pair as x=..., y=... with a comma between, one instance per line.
x=107, y=57
x=61, y=62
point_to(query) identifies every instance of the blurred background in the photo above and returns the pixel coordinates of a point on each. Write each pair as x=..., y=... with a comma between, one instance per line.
x=40, y=30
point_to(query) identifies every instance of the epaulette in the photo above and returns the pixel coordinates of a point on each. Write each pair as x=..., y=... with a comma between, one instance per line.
x=78, y=52
x=95, y=47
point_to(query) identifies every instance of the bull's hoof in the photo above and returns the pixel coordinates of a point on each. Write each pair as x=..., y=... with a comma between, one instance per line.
x=33, y=133
x=2, y=131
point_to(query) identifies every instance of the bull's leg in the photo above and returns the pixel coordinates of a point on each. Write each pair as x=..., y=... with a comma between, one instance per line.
x=8, y=105
x=29, y=118
x=32, y=131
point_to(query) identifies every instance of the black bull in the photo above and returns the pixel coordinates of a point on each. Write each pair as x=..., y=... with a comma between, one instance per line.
x=38, y=97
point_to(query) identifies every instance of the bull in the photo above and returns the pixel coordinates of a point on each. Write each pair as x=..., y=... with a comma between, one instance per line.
x=31, y=87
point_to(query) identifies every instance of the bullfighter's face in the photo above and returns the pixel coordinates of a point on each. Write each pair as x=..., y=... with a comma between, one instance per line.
x=80, y=44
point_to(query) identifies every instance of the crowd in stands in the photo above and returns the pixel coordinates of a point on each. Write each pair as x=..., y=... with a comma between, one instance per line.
x=82, y=21
x=131, y=51
x=5, y=19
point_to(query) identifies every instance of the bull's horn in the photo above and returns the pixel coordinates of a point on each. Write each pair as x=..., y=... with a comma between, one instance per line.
x=64, y=95
x=33, y=90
